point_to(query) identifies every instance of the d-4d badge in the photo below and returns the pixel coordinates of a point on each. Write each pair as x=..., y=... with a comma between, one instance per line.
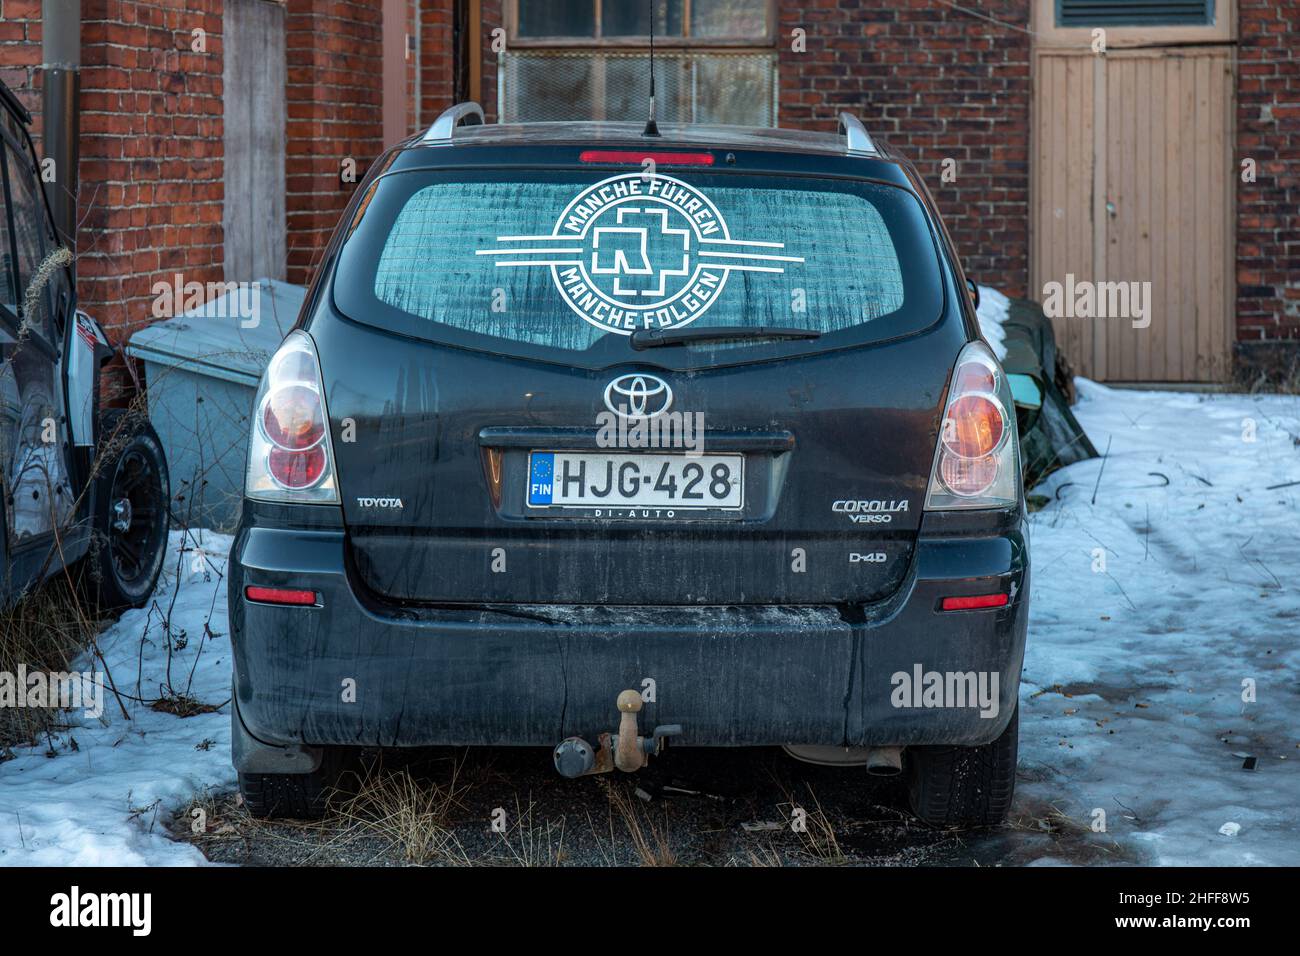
x=640, y=251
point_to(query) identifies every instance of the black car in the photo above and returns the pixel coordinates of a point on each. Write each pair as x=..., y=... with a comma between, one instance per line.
x=694, y=431
x=82, y=488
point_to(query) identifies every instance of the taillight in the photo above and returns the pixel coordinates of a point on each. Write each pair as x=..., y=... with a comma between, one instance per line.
x=977, y=461
x=289, y=453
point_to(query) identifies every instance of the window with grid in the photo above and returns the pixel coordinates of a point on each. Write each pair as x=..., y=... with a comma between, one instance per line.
x=589, y=59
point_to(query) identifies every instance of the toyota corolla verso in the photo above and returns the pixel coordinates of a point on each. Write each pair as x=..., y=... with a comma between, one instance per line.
x=598, y=441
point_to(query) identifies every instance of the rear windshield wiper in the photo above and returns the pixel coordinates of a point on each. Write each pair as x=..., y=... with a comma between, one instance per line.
x=655, y=338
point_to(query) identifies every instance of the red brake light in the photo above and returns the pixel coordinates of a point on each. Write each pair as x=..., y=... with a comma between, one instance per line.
x=636, y=157
x=293, y=596
x=974, y=602
x=296, y=469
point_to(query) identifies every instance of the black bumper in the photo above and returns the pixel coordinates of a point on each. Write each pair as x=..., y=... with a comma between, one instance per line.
x=532, y=675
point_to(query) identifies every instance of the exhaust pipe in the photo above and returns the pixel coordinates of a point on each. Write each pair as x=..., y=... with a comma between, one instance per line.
x=885, y=761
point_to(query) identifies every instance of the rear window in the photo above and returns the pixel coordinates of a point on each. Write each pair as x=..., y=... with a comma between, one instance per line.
x=574, y=262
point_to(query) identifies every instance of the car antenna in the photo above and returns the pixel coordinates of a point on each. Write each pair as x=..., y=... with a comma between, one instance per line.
x=651, y=127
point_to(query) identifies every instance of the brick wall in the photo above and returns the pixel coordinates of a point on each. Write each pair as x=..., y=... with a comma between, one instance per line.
x=151, y=190
x=335, y=112
x=20, y=54
x=937, y=83
x=151, y=146
x=493, y=17
x=437, y=59
x=1268, y=210
x=151, y=156
x=412, y=64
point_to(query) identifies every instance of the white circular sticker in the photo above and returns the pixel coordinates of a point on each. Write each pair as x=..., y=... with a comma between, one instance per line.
x=640, y=251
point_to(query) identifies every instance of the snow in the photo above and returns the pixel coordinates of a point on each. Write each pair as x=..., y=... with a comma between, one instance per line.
x=1196, y=595
x=103, y=802
x=993, y=310
x=1133, y=679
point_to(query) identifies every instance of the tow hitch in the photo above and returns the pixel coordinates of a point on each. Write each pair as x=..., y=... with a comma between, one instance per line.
x=627, y=750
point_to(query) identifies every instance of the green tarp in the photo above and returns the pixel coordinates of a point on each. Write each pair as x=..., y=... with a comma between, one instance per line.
x=1050, y=436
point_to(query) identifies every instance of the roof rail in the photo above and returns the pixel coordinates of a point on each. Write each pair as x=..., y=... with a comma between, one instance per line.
x=855, y=135
x=444, y=127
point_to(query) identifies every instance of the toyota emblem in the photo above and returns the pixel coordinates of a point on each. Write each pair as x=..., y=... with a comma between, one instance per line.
x=638, y=396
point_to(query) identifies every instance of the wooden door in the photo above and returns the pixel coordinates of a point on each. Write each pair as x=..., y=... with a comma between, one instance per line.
x=1133, y=182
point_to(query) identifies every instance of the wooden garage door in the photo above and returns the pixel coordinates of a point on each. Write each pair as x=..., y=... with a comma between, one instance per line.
x=1133, y=179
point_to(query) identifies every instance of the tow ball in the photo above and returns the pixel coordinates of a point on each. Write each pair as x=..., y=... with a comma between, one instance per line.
x=627, y=750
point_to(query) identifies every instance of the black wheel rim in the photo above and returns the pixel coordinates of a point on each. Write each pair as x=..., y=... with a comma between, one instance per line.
x=135, y=519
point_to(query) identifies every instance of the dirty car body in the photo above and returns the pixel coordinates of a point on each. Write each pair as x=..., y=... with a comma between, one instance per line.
x=457, y=532
x=84, y=489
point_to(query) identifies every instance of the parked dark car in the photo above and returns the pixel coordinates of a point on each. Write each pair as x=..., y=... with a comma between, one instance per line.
x=693, y=431
x=81, y=488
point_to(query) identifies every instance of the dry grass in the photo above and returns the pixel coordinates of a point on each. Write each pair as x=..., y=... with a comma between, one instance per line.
x=225, y=820
x=817, y=834
x=43, y=631
x=202, y=817
x=529, y=843
x=183, y=705
x=1277, y=379
x=413, y=817
x=1072, y=837
x=763, y=856
x=1048, y=819
x=649, y=841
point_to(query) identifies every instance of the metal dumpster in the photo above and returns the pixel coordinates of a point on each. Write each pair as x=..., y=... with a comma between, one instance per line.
x=201, y=372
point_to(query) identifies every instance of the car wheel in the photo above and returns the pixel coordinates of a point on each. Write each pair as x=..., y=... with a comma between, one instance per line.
x=131, y=518
x=964, y=786
x=301, y=796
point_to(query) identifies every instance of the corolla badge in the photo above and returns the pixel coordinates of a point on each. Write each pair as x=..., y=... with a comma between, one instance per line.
x=638, y=396
x=640, y=251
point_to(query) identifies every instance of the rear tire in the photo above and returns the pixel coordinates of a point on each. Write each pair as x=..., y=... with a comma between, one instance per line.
x=131, y=518
x=299, y=796
x=965, y=786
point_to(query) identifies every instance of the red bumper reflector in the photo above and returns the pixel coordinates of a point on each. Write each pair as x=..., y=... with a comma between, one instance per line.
x=973, y=602
x=637, y=157
x=294, y=596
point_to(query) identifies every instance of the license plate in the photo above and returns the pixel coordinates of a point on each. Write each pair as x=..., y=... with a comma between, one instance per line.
x=596, y=480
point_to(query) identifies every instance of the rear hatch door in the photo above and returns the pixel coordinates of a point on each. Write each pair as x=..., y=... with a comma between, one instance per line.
x=502, y=437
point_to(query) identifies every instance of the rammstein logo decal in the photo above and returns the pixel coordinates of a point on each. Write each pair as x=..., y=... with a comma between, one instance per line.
x=640, y=251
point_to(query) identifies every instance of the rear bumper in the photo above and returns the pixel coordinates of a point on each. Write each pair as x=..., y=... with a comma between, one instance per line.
x=356, y=672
